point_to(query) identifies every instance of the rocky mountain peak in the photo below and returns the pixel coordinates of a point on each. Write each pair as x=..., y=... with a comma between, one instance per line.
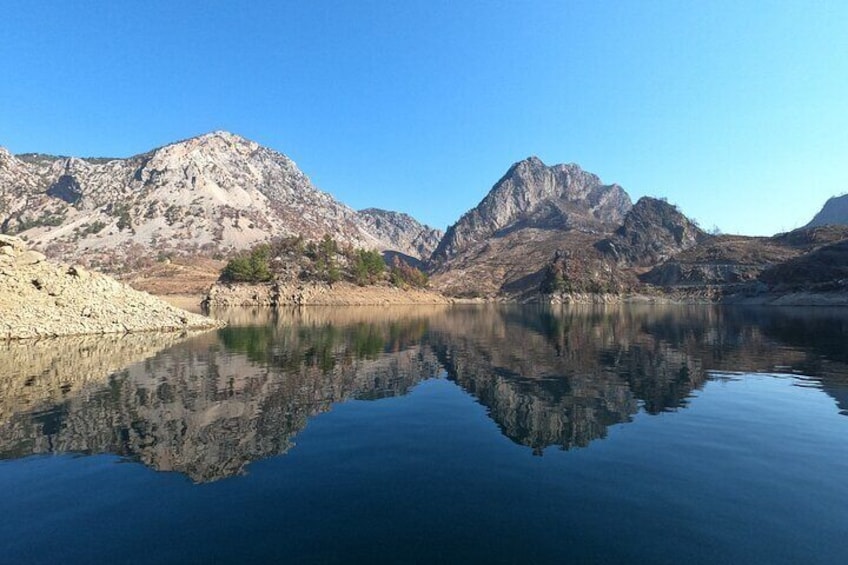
x=225, y=136
x=215, y=140
x=834, y=212
x=651, y=212
x=532, y=194
x=218, y=146
x=531, y=163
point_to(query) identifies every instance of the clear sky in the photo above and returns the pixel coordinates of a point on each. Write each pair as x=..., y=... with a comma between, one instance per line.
x=737, y=111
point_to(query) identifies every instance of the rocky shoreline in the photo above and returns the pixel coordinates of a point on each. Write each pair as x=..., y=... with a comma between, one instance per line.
x=39, y=298
x=234, y=295
x=799, y=298
x=316, y=294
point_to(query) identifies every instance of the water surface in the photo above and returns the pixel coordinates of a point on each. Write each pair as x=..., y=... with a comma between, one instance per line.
x=434, y=434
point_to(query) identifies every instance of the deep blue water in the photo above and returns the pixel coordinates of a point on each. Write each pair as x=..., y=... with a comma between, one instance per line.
x=490, y=434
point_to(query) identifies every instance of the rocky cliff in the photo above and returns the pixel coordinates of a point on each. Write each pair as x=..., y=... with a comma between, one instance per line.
x=533, y=195
x=207, y=195
x=834, y=212
x=315, y=293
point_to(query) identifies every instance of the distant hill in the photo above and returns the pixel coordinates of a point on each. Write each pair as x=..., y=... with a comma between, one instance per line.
x=406, y=234
x=205, y=196
x=834, y=212
x=734, y=263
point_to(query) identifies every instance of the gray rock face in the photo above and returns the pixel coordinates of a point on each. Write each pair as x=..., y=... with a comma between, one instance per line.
x=533, y=195
x=652, y=232
x=408, y=235
x=206, y=195
x=834, y=212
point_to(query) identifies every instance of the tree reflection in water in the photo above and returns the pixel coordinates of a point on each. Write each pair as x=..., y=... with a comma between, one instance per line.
x=212, y=403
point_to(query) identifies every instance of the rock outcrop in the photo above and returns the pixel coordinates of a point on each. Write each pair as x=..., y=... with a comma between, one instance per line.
x=725, y=265
x=533, y=195
x=206, y=196
x=834, y=212
x=502, y=247
x=653, y=231
x=39, y=298
x=283, y=293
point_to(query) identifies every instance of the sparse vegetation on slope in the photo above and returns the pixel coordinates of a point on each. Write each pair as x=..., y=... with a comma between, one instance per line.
x=403, y=275
x=292, y=259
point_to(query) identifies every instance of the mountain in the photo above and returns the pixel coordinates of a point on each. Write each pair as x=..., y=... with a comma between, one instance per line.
x=408, y=235
x=501, y=247
x=834, y=212
x=208, y=195
x=533, y=195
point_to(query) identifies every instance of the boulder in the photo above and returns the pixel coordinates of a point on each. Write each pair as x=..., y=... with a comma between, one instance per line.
x=30, y=258
x=15, y=243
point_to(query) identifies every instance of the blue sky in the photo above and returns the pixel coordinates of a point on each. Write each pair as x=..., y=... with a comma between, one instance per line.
x=735, y=111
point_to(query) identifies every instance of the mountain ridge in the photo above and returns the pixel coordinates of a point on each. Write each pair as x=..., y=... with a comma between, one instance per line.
x=539, y=230
x=402, y=229
x=208, y=195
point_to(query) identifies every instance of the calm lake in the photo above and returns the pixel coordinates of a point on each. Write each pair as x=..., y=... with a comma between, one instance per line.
x=490, y=434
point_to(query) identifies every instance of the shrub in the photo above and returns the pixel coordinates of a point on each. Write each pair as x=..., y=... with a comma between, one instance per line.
x=252, y=267
x=124, y=221
x=403, y=275
x=324, y=255
x=368, y=267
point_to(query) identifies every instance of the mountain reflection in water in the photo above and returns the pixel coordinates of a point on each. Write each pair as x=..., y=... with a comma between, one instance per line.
x=210, y=404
